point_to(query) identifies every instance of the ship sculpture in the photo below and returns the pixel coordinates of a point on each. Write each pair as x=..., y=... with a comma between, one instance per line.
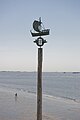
x=39, y=29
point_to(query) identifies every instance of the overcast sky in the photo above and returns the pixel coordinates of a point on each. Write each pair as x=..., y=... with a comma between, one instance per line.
x=17, y=50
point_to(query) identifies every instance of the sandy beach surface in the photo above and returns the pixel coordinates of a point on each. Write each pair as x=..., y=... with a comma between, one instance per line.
x=23, y=107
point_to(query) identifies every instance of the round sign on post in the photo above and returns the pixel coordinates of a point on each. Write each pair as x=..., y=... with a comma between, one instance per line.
x=40, y=41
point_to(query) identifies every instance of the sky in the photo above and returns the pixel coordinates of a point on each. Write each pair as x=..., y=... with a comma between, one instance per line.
x=17, y=50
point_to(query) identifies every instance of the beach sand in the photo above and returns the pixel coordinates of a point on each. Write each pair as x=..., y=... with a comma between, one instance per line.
x=23, y=107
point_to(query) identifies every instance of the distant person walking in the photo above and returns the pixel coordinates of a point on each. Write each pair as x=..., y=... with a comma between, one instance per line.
x=16, y=95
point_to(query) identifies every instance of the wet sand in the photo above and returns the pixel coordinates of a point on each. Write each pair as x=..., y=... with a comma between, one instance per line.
x=23, y=107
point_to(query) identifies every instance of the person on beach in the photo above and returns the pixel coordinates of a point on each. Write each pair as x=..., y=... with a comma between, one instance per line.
x=16, y=95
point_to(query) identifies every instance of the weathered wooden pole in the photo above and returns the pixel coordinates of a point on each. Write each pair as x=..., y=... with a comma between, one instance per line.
x=39, y=85
x=37, y=26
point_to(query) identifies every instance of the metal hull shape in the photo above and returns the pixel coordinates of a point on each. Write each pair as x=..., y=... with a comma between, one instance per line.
x=42, y=33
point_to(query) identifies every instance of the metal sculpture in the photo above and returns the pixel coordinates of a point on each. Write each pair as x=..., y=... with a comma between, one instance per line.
x=39, y=29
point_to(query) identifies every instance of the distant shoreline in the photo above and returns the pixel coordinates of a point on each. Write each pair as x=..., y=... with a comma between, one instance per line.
x=43, y=72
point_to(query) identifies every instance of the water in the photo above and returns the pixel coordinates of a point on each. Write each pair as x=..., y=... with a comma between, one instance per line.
x=55, y=84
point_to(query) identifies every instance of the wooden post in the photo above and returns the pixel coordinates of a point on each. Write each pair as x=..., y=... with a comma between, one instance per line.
x=39, y=85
